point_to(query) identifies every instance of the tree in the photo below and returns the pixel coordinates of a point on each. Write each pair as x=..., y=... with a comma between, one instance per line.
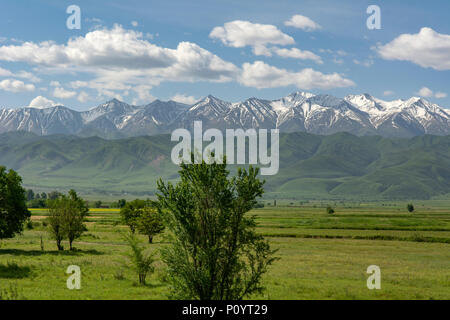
x=43, y=196
x=150, y=223
x=56, y=210
x=131, y=212
x=13, y=207
x=74, y=218
x=142, y=263
x=66, y=219
x=54, y=195
x=410, y=207
x=98, y=204
x=330, y=210
x=215, y=252
x=121, y=203
x=30, y=195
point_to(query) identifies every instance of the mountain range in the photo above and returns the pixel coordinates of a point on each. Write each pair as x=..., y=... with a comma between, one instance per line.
x=337, y=166
x=360, y=115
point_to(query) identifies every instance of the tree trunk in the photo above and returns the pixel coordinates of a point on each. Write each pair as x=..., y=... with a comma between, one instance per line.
x=150, y=239
x=58, y=244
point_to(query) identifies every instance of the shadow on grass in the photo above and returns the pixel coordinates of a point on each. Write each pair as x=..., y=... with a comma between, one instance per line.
x=13, y=271
x=77, y=252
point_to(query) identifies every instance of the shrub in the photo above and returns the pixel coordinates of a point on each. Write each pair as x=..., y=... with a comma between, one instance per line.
x=410, y=207
x=330, y=210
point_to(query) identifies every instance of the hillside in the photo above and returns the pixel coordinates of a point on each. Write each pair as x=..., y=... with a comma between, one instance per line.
x=339, y=166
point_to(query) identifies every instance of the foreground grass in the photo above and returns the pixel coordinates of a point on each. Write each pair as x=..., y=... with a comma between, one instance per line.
x=321, y=256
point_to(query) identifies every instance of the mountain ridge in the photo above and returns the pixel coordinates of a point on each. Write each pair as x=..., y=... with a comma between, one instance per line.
x=338, y=166
x=321, y=114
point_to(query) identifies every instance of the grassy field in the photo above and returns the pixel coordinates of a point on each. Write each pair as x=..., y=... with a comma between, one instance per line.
x=321, y=256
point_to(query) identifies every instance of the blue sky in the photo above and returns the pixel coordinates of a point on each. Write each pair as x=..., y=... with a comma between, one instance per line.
x=141, y=50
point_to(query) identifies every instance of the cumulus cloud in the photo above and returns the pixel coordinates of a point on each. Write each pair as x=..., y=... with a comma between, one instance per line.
x=182, y=98
x=428, y=49
x=428, y=93
x=261, y=75
x=302, y=22
x=15, y=86
x=63, y=93
x=298, y=54
x=20, y=74
x=83, y=97
x=120, y=49
x=239, y=34
x=42, y=102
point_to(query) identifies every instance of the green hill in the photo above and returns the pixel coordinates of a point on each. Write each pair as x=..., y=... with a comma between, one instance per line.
x=339, y=166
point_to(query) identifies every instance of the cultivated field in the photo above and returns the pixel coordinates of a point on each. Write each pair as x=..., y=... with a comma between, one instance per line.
x=322, y=256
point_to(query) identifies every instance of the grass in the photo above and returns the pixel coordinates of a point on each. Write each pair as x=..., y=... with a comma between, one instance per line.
x=322, y=256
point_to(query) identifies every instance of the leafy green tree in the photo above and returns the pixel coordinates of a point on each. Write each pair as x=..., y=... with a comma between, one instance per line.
x=54, y=195
x=56, y=209
x=142, y=263
x=98, y=204
x=330, y=210
x=410, y=207
x=215, y=252
x=13, y=206
x=150, y=223
x=30, y=195
x=66, y=218
x=131, y=212
x=43, y=196
x=121, y=203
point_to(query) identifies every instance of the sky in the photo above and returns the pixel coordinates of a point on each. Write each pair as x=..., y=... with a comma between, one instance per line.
x=139, y=51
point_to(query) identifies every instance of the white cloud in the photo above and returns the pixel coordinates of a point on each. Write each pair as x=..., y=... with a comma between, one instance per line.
x=119, y=59
x=134, y=23
x=78, y=84
x=261, y=75
x=366, y=63
x=20, y=74
x=428, y=49
x=388, y=93
x=63, y=93
x=42, y=102
x=298, y=54
x=302, y=22
x=428, y=93
x=239, y=34
x=425, y=92
x=143, y=94
x=55, y=84
x=119, y=49
x=182, y=98
x=83, y=97
x=13, y=85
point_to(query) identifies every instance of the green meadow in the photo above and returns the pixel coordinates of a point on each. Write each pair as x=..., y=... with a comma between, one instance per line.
x=321, y=256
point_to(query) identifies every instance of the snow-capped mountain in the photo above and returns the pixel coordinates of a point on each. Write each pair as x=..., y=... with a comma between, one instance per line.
x=300, y=111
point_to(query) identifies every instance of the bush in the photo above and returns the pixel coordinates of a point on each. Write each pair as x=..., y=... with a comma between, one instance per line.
x=410, y=207
x=330, y=210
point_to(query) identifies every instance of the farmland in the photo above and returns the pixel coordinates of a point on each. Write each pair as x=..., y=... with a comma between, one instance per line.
x=321, y=256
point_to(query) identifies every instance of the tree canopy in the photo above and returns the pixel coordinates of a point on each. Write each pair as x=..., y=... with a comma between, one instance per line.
x=13, y=207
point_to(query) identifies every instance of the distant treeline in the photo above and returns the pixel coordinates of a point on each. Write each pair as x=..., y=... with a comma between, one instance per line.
x=38, y=200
